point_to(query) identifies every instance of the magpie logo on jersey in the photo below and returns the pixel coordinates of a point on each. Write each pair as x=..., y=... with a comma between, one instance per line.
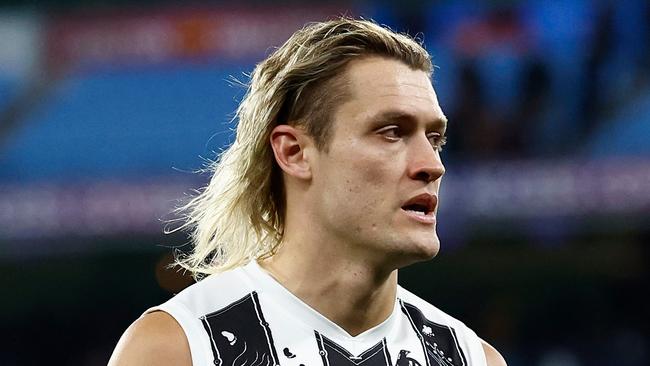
x=240, y=336
x=439, y=341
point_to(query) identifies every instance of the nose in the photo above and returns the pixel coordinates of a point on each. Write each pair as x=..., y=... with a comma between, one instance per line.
x=425, y=163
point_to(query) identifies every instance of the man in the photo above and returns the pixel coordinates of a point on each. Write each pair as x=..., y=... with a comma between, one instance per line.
x=330, y=187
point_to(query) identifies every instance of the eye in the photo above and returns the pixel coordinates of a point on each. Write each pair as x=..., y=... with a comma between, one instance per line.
x=391, y=133
x=437, y=140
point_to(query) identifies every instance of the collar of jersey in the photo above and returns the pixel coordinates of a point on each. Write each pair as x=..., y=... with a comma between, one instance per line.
x=309, y=316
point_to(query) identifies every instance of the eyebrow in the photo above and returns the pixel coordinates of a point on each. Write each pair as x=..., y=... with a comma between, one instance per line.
x=398, y=115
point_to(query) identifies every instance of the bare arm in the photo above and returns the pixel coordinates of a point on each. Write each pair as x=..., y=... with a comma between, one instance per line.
x=492, y=356
x=154, y=339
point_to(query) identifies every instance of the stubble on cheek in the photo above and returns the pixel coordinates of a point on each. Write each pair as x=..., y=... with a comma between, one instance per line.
x=371, y=195
x=365, y=172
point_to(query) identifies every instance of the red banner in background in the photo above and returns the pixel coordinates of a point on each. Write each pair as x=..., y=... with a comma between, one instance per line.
x=175, y=34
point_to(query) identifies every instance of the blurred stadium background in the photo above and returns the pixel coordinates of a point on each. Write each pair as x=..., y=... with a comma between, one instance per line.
x=107, y=107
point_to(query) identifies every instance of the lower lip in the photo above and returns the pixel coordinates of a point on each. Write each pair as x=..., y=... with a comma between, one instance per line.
x=428, y=219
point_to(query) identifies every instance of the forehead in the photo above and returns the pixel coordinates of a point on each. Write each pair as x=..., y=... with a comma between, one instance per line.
x=379, y=84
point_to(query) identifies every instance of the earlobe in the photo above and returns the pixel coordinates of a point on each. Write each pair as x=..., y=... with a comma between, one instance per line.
x=289, y=143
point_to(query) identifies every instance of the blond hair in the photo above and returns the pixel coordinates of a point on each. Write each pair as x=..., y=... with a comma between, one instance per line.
x=239, y=216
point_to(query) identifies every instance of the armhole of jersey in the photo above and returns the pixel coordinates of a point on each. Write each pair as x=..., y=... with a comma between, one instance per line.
x=194, y=332
x=475, y=347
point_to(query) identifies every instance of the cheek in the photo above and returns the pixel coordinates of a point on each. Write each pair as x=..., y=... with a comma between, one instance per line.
x=364, y=177
x=368, y=183
x=368, y=170
x=372, y=164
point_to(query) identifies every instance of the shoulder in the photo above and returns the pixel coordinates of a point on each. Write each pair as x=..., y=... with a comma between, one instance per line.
x=154, y=339
x=171, y=333
x=492, y=356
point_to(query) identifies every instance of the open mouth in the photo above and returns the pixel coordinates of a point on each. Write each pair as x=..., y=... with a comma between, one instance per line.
x=417, y=209
x=421, y=205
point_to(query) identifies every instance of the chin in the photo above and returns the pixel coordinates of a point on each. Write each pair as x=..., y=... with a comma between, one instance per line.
x=429, y=250
x=418, y=251
x=426, y=245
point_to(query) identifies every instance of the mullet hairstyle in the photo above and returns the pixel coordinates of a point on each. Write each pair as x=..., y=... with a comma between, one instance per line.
x=239, y=216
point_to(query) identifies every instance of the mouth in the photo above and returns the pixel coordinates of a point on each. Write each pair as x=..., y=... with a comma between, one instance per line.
x=422, y=208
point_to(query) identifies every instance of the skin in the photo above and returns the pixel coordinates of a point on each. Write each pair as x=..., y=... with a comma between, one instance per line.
x=384, y=150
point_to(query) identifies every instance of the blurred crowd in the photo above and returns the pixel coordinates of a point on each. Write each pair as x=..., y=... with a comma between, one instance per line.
x=532, y=78
x=517, y=79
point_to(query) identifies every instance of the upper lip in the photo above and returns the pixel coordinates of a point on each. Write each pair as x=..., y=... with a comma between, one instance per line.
x=426, y=200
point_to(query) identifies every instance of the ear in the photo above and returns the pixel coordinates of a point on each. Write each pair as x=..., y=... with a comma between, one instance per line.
x=289, y=144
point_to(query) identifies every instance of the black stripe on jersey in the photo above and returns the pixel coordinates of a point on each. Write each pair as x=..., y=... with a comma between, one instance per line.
x=333, y=354
x=439, y=341
x=239, y=335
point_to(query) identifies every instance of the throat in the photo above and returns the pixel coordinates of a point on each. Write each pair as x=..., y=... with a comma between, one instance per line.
x=355, y=299
x=357, y=310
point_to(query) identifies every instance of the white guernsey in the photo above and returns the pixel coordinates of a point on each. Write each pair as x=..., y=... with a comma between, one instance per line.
x=255, y=321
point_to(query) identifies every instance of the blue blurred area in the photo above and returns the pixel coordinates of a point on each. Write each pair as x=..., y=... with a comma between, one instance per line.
x=626, y=134
x=523, y=80
x=138, y=122
x=8, y=90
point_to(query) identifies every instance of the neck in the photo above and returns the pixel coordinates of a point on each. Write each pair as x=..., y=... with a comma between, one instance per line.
x=350, y=292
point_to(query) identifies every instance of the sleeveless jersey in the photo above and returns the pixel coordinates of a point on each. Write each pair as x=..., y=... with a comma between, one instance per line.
x=244, y=317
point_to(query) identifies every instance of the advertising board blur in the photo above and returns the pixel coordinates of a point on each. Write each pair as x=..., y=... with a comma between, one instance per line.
x=173, y=34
